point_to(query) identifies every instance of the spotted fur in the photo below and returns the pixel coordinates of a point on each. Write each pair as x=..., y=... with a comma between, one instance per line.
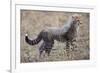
x=65, y=34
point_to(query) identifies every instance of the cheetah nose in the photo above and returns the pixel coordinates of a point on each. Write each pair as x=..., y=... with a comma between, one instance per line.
x=79, y=21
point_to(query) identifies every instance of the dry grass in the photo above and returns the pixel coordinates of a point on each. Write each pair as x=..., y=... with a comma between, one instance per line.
x=32, y=22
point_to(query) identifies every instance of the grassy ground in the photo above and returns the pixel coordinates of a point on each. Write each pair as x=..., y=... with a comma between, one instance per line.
x=32, y=22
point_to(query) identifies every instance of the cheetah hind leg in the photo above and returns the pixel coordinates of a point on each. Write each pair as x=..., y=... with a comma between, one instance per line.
x=41, y=49
x=47, y=51
x=48, y=47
